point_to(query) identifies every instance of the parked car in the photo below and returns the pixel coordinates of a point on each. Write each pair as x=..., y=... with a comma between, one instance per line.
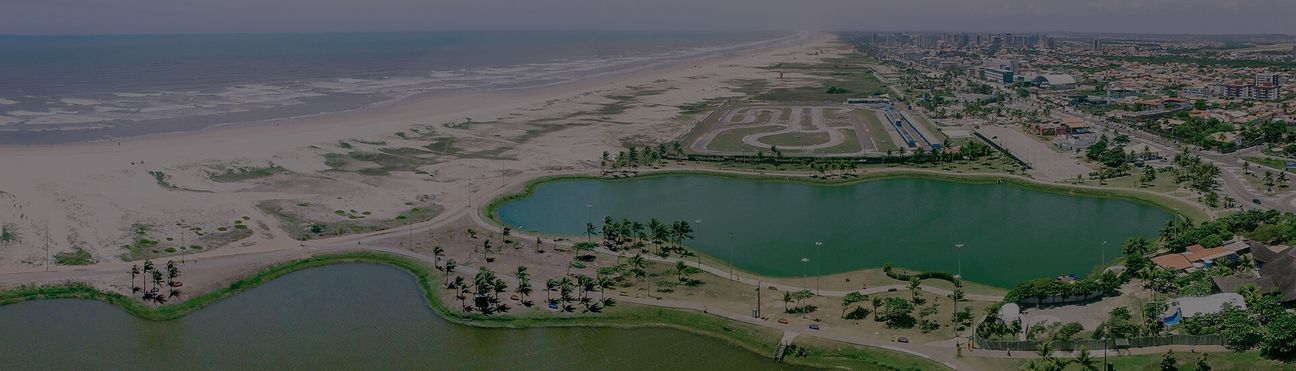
x=814, y=326
x=783, y=320
x=903, y=340
x=1255, y=201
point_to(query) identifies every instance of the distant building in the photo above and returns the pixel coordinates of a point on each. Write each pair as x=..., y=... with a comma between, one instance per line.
x=1055, y=82
x=1195, y=92
x=1096, y=46
x=1277, y=272
x=1189, y=307
x=1267, y=87
x=999, y=70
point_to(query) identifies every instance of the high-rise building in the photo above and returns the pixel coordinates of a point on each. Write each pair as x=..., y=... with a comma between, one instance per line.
x=1097, y=45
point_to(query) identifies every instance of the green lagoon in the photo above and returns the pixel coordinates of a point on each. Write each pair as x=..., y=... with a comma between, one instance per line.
x=1010, y=233
x=351, y=316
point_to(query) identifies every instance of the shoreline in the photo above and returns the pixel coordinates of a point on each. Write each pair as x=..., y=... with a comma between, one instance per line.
x=424, y=277
x=490, y=212
x=593, y=69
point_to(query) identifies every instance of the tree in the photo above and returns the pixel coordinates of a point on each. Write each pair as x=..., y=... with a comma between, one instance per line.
x=1084, y=360
x=1149, y=175
x=437, y=253
x=896, y=313
x=449, y=268
x=1168, y=361
x=1239, y=330
x=1280, y=338
x=134, y=271
x=914, y=283
x=851, y=298
x=1202, y=365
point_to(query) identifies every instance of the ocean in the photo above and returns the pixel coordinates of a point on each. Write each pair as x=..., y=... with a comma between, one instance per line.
x=57, y=89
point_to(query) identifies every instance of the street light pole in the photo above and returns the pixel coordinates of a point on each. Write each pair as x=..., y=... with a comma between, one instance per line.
x=731, y=275
x=818, y=263
x=699, y=253
x=959, y=248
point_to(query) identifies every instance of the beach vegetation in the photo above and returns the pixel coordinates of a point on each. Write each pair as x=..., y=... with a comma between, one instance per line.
x=76, y=256
x=243, y=173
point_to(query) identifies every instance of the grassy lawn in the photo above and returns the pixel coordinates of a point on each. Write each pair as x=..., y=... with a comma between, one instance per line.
x=851, y=145
x=877, y=130
x=1152, y=362
x=857, y=83
x=731, y=140
x=1271, y=163
x=931, y=126
x=796, y=139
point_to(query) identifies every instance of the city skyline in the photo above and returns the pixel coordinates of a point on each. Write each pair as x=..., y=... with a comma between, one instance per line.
x=236, y=16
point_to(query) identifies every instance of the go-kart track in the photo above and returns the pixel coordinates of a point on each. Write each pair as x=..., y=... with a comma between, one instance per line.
x=818, y=130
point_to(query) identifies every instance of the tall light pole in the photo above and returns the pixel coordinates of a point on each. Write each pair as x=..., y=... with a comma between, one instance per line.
x=959, y=248
x=699, y=252
x=731, y=275
x=1102, y=253
x=818, y=263
x=803, y=272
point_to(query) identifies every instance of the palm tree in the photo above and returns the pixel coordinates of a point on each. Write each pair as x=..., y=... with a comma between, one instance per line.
x=437, y=253
x=787, y=298
x=1084, y=360
x=134, y=271
x=637, y=263
x=681, y=230
x=449, y=268
x=157, y=279
x=589, y=232
x=550, y=284
x=148, y=267
x=604, y=283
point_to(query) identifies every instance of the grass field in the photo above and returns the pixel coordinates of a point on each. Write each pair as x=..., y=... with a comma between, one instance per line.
x=857, y=83
x=796, y=139
x=878, y=131
x=731, y=141
x=850, y=145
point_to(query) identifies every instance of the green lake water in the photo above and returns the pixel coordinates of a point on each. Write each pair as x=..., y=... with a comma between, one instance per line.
x=1010, y=233
x=355, y=316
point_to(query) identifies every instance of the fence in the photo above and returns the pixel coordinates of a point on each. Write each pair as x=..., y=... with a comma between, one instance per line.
x=1095, y=344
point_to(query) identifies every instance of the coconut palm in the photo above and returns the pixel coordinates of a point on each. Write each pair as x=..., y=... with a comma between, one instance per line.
x=134, y=271
x=157, y=279
x=550, y=284
x=1084, y=360
x=449, y=268
x=437, y=253
x=603, y=283
x=637, y=263
x=589, y=232
x=148, y=267
x=787, y=298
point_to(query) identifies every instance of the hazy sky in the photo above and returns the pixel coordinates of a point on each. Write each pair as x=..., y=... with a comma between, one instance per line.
x=183, y=16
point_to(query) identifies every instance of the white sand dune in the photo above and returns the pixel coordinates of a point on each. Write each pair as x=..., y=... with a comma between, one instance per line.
x=89, y=195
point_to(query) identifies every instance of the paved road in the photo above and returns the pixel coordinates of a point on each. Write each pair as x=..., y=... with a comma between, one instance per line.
x=1045, y=163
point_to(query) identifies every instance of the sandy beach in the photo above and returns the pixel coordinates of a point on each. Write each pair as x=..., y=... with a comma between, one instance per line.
x=421, y=159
